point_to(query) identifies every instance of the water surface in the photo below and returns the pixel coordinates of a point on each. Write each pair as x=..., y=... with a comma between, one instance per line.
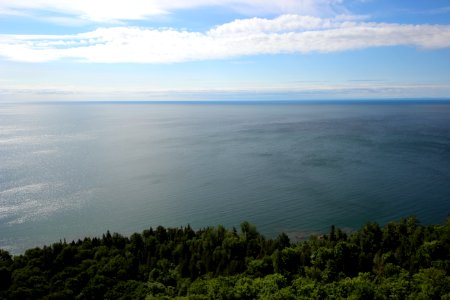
x=71, y=170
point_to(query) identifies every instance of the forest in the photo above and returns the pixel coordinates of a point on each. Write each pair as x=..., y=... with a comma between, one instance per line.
x=400, y=260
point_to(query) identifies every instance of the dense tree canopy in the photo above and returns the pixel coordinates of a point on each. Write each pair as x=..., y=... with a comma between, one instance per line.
x=402, y=260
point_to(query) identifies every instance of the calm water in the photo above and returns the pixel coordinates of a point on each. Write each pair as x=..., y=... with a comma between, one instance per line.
x=71, y=170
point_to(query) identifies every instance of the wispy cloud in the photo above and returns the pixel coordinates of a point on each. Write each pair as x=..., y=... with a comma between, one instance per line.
x=300, y=91
x=116, y=10
x=93, y=10
x=245, y=37
x=432, y=11
x=441, y=10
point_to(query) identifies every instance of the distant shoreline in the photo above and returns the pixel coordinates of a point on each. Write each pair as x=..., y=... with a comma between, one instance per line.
x=386, y=101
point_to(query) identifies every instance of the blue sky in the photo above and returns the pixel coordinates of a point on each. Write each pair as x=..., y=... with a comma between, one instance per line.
x=223, y=50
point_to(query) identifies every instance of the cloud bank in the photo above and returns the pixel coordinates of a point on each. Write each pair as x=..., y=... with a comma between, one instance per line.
x=286, y=34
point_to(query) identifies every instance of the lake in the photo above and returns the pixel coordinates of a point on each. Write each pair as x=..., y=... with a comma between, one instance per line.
x=69, y=170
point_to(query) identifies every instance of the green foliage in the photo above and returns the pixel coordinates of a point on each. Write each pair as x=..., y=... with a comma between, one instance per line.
x=402, y=260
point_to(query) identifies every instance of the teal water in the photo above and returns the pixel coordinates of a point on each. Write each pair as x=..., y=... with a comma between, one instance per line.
x=71, y=170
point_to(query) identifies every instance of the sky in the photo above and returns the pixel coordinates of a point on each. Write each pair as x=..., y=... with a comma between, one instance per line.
x=53, y=50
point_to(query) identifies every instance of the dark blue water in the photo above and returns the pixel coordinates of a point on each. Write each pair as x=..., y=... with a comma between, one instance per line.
x=71, y=170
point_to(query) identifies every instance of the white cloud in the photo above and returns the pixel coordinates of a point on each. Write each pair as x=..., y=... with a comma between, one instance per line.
x=285, y=34
x=116, y=10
